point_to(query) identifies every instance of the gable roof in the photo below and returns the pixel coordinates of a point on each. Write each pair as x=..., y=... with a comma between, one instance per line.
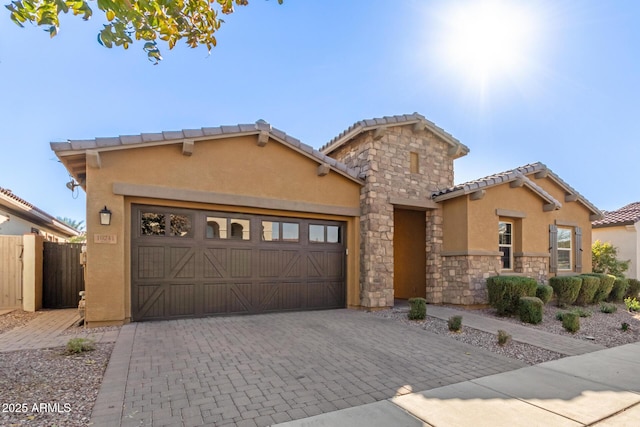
x=458, y=149
x=539, y=170
x=31, y=213
x=72, y=153
x=512, y=176
x=626, y=215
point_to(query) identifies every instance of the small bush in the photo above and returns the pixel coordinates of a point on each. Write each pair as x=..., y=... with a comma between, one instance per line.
x=608, y=308
x=418, y=310
x=560, y=315
x=530, y=310
x=606, y=284
x=634, y=288
x=620, y=285
x=503, y=337
x=624, y=326
x=566, y=289
x=632, y=304
x=571, y=322
x=80, y=345
x=505, y=292
x=455, y=323
x=582, y=312
x=545, y=293
x=590, y=285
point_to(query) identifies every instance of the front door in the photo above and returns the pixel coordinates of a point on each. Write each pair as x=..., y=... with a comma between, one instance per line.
x=409, y=254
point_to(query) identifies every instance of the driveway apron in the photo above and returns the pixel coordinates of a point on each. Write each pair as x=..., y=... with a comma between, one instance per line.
x=266, y=369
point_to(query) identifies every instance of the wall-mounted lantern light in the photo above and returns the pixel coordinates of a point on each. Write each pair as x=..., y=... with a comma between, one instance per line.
x=105, y=216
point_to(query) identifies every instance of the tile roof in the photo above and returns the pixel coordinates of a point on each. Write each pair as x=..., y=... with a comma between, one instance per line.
x=399, y=120
x=511, y=175
x=491, y=181
x=626, y=215
x=168, y=137
x=21, y=204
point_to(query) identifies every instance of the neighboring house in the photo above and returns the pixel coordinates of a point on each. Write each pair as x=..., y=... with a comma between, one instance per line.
x=246, y=219
x=19, y=217
x=621, y=228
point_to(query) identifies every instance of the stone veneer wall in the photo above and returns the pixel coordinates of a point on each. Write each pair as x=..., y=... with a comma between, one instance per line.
x=535, y=266
x=385, y=162
x=466, y=277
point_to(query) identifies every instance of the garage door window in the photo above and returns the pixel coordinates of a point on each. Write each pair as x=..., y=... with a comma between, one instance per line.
x=274, y=231
x=155, y=224
x=324, y=233
x=228, y=228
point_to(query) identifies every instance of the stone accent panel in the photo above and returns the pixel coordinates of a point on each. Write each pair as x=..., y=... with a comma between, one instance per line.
x=385, y=164
x=465, y=277
x=532, y=266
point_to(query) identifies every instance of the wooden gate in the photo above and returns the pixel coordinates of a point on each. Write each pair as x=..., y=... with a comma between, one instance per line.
x=10, y=271
x=62, y=275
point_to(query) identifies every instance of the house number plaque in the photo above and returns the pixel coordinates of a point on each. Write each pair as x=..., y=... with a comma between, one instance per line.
x=109, y=239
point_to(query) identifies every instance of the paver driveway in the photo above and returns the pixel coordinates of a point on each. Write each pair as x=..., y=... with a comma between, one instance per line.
x=264, y=369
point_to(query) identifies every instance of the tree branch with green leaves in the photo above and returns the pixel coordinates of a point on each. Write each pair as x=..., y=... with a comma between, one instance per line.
x=195, y=21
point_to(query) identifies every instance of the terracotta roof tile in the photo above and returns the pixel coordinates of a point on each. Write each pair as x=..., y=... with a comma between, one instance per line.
x=626, y=215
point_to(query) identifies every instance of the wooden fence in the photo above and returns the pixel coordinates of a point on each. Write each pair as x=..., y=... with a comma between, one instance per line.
x=11, y=271
x=62, y=277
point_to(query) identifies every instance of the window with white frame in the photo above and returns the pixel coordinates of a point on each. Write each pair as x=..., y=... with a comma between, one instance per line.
x=564, y=248
x=505, y=244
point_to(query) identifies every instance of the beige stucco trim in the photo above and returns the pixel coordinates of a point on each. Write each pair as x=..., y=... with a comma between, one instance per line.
x=413, y=204
x=168, y=193
x=510, y=213
x=472, y=253
x=531, y=254
x=564, y=223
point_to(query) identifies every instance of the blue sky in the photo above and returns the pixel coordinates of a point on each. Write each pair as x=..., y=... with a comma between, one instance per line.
x=312, y=68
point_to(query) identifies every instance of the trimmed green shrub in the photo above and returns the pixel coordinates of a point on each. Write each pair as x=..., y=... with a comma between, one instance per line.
x=619, y=289
x=634, y=288
x=544, y=292
x=503, y=337
x=571, y=322
x=418, y=308
x=505, y=292
x=566, y=289
x=606, y=284
x=590, y=285
x=608, y=308
x=455, y=323
x=530, y=310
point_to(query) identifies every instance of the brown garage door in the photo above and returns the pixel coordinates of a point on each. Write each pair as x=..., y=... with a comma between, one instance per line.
x=188, y=263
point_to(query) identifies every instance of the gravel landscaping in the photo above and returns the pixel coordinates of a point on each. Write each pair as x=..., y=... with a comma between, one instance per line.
x=49, y=387
x=600, y=328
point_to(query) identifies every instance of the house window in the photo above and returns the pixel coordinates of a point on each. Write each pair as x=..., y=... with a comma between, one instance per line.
x=228, y=228
x=273, y=231
x=324, y=234
x=505, y=244
x=564, y=248
x=155, y=224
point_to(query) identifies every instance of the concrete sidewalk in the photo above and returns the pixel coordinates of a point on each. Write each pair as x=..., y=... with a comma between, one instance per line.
x=46, y=331
x=600, y=388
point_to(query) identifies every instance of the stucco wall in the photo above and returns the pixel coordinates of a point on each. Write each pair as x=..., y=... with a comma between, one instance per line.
x=386, y=164
x=625, y=238
x=235, y=168
x=480, y=218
